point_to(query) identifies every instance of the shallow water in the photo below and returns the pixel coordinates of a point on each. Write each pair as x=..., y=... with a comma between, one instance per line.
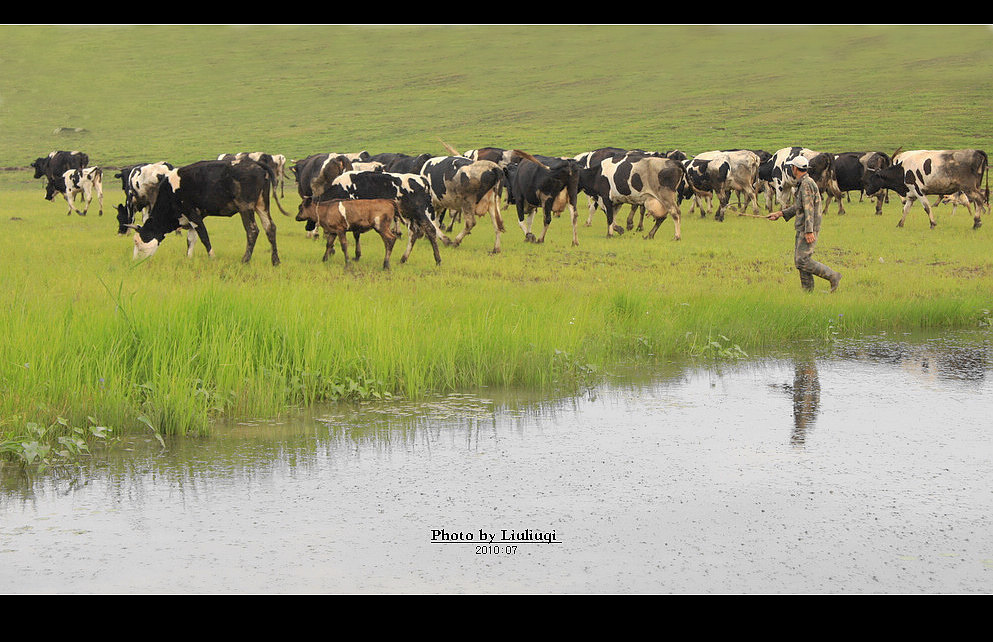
x=866, y=469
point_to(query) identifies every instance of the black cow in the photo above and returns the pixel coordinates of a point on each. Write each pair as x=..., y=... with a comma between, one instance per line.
x=411, y=191
x=211, y=188
x=54, y=167
x=850, y=170
x=546, y=182
x=396, y=163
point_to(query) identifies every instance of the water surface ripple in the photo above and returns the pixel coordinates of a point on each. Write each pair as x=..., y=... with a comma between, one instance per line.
x=865, y=469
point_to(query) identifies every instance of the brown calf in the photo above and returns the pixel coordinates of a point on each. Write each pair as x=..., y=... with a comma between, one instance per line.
x=337, y=217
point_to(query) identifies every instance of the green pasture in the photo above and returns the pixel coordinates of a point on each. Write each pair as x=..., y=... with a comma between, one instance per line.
x=90, y=338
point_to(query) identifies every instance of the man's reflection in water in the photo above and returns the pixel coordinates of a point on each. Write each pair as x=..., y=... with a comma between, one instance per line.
x=806, y=398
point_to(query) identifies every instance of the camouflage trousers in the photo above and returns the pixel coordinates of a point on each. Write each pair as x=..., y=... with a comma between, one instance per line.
x=807, y=266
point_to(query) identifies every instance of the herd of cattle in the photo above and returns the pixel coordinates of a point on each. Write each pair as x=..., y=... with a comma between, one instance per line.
x=358, y=192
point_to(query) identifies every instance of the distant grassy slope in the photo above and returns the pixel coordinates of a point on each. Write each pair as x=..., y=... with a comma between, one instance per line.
x=186, y=93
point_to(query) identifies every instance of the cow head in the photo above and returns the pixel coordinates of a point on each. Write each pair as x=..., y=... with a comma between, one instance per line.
x=887, y=178
x=143, y=248
x=305, y=205
x=40, y=166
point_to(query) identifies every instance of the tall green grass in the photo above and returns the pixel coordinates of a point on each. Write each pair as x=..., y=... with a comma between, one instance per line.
x=87, y=332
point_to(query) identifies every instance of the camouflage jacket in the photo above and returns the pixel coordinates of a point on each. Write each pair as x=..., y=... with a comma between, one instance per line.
x=806, y=206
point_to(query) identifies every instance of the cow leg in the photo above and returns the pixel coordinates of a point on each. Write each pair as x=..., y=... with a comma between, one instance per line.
x=201, y=232
x=69, y=202
x=329, y=248
x=574, y=213
x=592, y=206
x=413, y=234
x=470, y=222
x=879, y=205
x=660, y=210
x=546, y=221
x=908, y=202
x=270, y=229
x=251, y=234
x=432, y=236
x=723, y=200
x=388, y=241
x=493, y=205
x=753, y=198
x=630, y=221
x=608, y=207
x=343, y=242
x=191, y=241
x=976, y=204
x=525, y=217
x=356, y=235
x=927, y=208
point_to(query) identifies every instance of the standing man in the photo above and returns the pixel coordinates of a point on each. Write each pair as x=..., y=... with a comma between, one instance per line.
x=807, y=209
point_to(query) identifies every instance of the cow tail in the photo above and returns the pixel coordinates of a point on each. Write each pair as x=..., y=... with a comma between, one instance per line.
x=272, y=186
x=986, y=170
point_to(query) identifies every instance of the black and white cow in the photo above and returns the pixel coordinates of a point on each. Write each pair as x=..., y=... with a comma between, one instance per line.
x=849, y=170
x=87, y=182
x=141, y=186
x=781, y=178
x=722, y=172
x=549, y=183
x=53, y=169
x=915, y=174
x=275, y=162
x=640, y=180
x=591, y=160
x=193, y=192
x=411, y=191
x=315, y=173
x=469, y=187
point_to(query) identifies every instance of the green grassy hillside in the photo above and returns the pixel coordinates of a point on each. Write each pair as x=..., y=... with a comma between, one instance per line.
x=187, y=93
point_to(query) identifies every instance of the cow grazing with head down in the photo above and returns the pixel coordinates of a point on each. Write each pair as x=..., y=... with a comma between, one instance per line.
x=337, y=217
x=471, y=188
x=87, y=182
x=53, y=169
x=211, y=188
x=641, y=180
x=915, y=174
x=545, y=182
x=141, y=186
x=849, y=171
x=412, y=193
